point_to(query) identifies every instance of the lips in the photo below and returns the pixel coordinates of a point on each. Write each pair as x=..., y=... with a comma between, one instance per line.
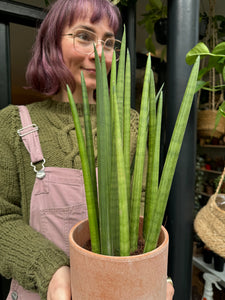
x=89, y=70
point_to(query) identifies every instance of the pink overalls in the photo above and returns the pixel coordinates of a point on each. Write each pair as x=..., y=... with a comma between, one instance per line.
x=57, y=201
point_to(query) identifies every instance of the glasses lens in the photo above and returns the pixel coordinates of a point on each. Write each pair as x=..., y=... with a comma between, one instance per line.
x=84, y=40
x=110, y=45
x=117, y=47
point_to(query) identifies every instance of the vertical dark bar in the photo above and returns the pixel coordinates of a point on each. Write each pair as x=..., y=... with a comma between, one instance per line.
x=5, y=86
x=11, y=11
x=183, y=35
x=5, y=99
x=129, y=19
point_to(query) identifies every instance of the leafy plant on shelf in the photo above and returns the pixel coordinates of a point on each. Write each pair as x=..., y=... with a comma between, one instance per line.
x=114, y=211
x=216, y=60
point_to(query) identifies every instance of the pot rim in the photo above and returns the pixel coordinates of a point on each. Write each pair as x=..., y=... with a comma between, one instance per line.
x=143, y=256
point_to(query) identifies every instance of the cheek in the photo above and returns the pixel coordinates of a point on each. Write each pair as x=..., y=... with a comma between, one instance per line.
x=70, y=57
x=71, y=60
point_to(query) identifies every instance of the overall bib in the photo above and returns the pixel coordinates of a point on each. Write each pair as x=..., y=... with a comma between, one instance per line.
x=57, y=203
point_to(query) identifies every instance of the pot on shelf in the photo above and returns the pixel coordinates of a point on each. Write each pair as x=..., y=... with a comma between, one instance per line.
x=96, y=276
x=206, y=124
x=161, y=31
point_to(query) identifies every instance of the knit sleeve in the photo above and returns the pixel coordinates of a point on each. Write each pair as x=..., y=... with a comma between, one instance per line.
x=25, y=254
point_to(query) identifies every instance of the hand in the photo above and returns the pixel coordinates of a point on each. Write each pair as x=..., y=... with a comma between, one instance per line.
x=59, y=286
x=169, y=291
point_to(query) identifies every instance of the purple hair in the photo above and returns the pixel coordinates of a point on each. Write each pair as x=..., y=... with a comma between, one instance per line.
x=46, y=71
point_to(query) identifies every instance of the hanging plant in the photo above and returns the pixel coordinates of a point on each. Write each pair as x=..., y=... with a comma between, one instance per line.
x=155, y=16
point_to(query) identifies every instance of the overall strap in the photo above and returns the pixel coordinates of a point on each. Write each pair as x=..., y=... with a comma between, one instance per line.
x=29, y=135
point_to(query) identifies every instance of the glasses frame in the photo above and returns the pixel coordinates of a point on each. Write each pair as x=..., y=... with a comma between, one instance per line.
x=96, y=42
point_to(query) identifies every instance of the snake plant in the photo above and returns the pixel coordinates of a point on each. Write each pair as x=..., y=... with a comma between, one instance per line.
x=114, y=214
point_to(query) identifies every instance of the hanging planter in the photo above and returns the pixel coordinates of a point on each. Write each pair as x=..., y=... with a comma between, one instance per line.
x=206, y=124
x=161, y=31
x=211, y=75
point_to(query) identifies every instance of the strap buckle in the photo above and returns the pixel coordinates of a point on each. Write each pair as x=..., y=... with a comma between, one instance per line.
x=39, y=173
x=33, y=128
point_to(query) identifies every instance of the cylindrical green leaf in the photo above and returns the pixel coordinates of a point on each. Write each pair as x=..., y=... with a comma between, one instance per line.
x=90, y=199
x=172, y=157
x=122, y=188
x=152, y=184
x=104, y=149
x=139, y=159
x=114, y=201
x=151, y=146
x=120, y=79
x=126, y=125
x=89, y=138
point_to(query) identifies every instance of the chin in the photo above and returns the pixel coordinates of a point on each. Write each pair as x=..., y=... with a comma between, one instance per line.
x=91, y=86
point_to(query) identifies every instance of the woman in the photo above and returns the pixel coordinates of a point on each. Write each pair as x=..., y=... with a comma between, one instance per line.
x=36, y=187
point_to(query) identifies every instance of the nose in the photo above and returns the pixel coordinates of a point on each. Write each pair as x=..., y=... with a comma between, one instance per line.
x=99, y=48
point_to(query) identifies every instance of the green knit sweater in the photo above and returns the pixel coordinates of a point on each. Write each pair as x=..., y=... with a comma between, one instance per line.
x=25, y=254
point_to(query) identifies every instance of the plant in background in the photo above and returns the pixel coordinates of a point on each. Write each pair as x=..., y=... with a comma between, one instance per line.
x=216, y=61
x=216, y=183
x=122, y=2
x=156, y=10
x=212, y=52
x=114, y=211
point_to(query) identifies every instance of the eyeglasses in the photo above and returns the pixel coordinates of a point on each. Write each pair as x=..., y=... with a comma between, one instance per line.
x=84, y=41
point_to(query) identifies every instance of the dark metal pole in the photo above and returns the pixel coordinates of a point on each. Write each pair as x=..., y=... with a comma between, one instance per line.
x=11, y=11
x=5, y=86
x=183, y=35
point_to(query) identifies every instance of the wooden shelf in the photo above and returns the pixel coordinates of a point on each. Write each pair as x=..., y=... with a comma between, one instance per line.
x=213, y=146
x=203, y=194
x=204, y=267
x=209, y=171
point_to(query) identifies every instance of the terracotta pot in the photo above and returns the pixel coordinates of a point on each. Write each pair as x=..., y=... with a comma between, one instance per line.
x=100, y=277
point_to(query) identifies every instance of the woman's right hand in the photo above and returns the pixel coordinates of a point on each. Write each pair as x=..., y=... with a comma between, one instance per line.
x=59, y=286
x=169, y=291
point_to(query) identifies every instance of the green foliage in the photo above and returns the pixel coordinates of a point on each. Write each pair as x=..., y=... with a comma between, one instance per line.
x=216, y=60
x=171, y=160
x=118, y=209
x=139, y=158
x=90, y=197
x=222, y=109
x=122, y=2
x=220, y=114
x=220, y=21
x=155, y=10
x=216, y=183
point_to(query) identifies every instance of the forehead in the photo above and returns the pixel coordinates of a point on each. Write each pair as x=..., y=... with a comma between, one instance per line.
x=94, y=12
x=101, y=26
